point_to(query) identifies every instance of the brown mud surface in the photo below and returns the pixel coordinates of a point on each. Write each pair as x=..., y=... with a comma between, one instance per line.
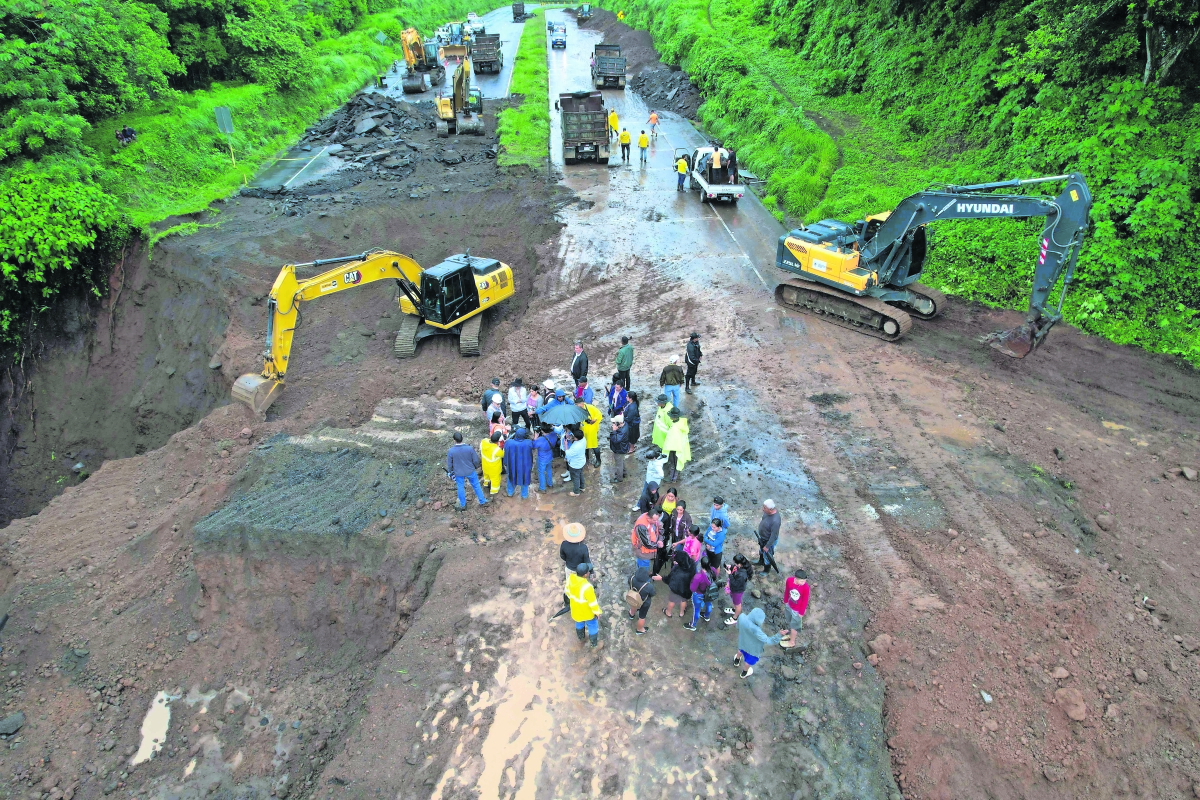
x=1003, y=553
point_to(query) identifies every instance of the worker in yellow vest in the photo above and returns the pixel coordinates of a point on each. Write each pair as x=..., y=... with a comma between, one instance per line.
x=681, y=167
x=624, y=139
x=643, y=145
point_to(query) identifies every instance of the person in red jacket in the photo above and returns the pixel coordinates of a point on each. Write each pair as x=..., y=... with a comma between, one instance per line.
x=795, y=604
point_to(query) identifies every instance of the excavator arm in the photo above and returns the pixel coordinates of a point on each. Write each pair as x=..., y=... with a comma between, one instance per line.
x=283, y=312
x=1060, y=242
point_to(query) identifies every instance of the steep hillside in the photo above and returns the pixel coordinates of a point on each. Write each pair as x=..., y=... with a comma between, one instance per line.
x=847, y=107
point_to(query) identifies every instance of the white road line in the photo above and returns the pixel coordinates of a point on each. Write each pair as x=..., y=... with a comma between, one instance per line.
x=297, y=175
x=739, y=244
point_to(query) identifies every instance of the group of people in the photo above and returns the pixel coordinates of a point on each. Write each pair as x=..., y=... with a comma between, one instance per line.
x=625, y=139
x=126, y=135
x=720, y=166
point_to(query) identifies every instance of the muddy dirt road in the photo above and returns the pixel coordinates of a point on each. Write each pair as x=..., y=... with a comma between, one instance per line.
x=1002, y=553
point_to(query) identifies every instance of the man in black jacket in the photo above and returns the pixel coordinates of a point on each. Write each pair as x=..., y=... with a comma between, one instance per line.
x=486, y=399
x=579, y=364
x=692, y=359
x=618, y=442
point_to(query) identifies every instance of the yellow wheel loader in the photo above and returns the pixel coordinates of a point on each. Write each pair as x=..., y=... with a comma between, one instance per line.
x=864, y=276
x=461, y=109
x=422, y=60
x=447, y=299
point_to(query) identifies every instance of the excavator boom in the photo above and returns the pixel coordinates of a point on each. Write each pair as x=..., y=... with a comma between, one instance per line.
x=283, y=312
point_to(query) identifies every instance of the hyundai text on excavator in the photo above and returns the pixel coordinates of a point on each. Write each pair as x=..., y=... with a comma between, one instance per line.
x=461, y=109
x=422, y=60
x=449, y=298
x=864, y=276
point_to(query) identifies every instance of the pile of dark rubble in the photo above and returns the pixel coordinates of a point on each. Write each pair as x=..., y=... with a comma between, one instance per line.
x=668, y=90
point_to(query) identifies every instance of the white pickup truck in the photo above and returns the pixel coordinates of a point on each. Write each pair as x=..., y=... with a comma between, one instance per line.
x=713, y=183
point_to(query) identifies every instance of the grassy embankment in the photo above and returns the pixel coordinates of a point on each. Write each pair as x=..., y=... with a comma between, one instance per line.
x=911, y=96
x=525, y=130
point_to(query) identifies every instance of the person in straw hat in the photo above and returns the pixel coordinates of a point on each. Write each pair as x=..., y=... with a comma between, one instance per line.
x=573, y=551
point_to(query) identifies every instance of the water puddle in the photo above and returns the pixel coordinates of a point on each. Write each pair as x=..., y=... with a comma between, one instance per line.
x=154, y=728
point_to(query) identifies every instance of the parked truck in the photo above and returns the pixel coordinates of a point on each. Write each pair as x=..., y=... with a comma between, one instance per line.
x=485, y=53
x=608, y=67
x=712, y=183
x=519, y=14
x=584, y=127
x=558, y=37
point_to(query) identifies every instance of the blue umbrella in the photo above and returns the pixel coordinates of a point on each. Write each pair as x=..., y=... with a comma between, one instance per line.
x=564, y=414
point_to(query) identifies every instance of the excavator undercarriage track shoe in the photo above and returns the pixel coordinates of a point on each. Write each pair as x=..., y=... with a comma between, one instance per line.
x=256, y=392
x=406, y=337
x=933, y=296
x=468, y=336
x=863, y=314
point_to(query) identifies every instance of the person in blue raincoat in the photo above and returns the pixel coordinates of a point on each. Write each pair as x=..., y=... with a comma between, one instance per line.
x=518, y=461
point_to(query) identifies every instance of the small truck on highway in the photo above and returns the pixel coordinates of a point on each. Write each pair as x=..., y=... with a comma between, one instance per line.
x=584, y=127
x=713, y=183
x=558, y=37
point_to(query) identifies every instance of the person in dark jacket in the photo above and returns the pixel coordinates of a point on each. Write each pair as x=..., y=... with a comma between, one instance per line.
x=518, y=461
x=579, y=363
x=543, y=446
x=616, y=395
x=670, y=379
x=642, y=583
x=618, y=442
x=692, y=359
x=649, y=498
x=740, y=574
x=768, y=532
x=679, y=581
x=461, y=464
x=624, y=362
x=633, y=418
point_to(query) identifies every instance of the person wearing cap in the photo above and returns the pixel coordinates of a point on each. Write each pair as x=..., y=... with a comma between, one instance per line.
x=583, y=392
x=677, y=445
x=518, y=402
x=492, y=455
x=670, y=379
x=461, y=463
x=579, y=362
x=662, y=422
x=486, y=399
x=692, y=359
x=518, y=461
x=584, y=608
x=719, y=511
x=768, y=532
x=624, y=362
x=543, y=445
x=591, y=433
x=618, y=442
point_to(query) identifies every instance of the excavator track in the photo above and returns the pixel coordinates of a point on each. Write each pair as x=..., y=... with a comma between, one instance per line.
x=863, y=314
x=468, y=336
x=939, y=301
x=406, y=337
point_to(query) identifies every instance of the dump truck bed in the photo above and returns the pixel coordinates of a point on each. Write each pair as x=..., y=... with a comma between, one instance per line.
x=485, y=49
x=584, y=125
x=610, y=66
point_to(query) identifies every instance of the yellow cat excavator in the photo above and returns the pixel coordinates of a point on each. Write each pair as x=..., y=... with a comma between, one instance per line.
x=447, y=299
x=864, y=276
x=422, y=60
x=461, y=109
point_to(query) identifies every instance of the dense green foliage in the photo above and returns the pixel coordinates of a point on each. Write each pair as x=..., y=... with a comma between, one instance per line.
x=525, y=130
x=916, y=92
x=72, y=72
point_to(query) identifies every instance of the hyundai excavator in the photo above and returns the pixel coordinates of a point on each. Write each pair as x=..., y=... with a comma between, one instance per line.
x=447, y=299
x=422, y=60
x=864, y=276
x=461, y=109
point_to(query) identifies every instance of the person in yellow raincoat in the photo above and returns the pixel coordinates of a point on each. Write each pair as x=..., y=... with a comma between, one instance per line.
x=677, y=447
x=584, y=608
x=492, y=455
x=591, y=432
x=612, y=123
x=662, y=422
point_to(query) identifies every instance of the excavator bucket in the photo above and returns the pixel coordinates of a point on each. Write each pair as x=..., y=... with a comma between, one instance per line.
x=455, y=51
x=472, y=125
x=415, y=82
x=1016, y=342
x=256, y=392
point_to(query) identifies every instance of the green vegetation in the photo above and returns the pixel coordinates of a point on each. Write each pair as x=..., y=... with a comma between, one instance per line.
x=73, y=72
x=910, y=93
x=525, y=130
